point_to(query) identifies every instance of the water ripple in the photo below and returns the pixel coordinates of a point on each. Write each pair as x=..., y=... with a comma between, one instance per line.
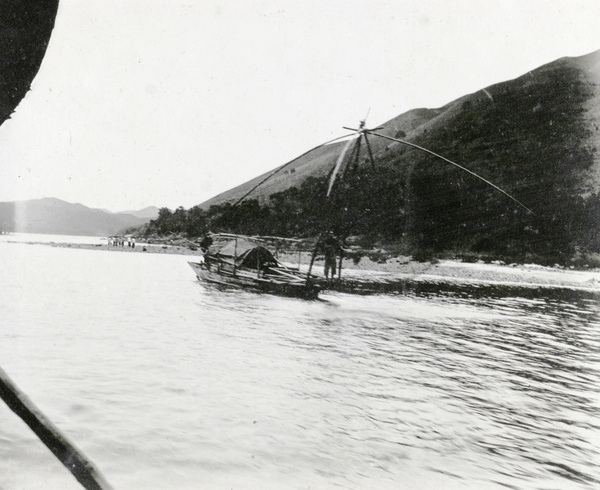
x=144, y=367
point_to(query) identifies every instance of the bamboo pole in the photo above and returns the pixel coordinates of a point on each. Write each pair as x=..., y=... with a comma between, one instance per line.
x=338, y=164
x=69, y=455
x=234, y=256
x=356, y=159
x=370, y=151
x=286, y=165
x=312, y=261
x=257, y=265
x=352, y=162
x=455, y=164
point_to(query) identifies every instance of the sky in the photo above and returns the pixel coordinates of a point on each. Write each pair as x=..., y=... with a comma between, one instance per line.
x=170, y=102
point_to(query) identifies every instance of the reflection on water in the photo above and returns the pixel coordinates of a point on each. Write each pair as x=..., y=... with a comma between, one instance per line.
x=167, y=383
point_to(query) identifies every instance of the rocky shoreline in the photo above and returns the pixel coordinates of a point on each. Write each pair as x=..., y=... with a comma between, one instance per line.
x=455, y=272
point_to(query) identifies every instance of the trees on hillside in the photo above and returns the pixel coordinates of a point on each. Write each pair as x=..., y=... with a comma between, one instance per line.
x=436, y=210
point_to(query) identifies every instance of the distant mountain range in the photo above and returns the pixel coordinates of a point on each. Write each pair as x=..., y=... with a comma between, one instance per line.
x=53, y=216
x=25, y=30
x=151, y=212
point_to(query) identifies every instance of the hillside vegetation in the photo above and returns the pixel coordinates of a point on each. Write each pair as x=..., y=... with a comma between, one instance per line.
x=536, y=137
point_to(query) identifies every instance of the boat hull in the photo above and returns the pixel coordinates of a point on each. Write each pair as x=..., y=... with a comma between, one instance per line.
x=250, y=280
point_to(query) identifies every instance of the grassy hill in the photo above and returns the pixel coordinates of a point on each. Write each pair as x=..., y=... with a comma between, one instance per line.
x=548, y=119
x=319, y=162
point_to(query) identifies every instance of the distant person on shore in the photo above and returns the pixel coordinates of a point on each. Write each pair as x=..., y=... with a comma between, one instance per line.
x=132, y=242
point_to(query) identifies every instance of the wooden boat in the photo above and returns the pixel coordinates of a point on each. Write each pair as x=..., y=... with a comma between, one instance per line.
x=242, y=263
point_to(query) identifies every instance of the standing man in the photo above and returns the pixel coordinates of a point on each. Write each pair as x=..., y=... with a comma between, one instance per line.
x=331, y=249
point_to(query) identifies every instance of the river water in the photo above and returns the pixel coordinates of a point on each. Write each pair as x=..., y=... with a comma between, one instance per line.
x=167, y=383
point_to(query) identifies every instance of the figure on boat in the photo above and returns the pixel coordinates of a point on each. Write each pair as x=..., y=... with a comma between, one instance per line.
x=205, y=243
x=332, y=250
